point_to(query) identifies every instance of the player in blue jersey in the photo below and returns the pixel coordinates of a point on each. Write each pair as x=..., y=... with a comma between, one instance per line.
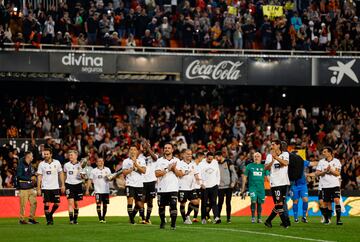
x=299, y=190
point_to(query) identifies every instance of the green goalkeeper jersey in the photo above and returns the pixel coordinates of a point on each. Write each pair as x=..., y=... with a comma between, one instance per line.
x=256, y=174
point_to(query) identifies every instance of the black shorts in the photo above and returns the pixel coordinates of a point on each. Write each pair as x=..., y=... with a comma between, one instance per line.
x=198, y=193
x=320, y=195
x=330, y=193
x=187, y=196
x=135, y=192
x=74, y=191
x=51, y=196
x=166, y=198
x=149, y=190
x=279, y=193
x=102, y=198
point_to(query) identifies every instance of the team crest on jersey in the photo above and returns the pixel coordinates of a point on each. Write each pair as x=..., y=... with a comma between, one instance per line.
x=209, y=170
x=100, y=176
x=257, y=173
x=71, y=172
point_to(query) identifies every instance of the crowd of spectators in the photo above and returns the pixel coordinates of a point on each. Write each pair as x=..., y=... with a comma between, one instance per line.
x=317, y=25
x=95, y=127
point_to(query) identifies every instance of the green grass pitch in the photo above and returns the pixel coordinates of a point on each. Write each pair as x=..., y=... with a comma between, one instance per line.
x=118, y=229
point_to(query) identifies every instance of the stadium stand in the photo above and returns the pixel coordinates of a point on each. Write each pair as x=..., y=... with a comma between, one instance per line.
x=226, y=24
x=211, y=120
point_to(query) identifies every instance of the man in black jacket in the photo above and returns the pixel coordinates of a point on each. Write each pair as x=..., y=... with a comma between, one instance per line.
x=26, y=180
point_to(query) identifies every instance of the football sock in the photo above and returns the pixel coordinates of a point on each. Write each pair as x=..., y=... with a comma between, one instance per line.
x=129, y=210
x=338, y=212
x=71, y=216
x=259, y=210
x=76, y=214
x=173, y=212
x=182, y=211
x=329, y=213
x=142, y=213
x=46, y=210
x=104, y=211
x=149, y=209
x=324, y=213
x=252, y=207
x=136, y=209
x=305, y=208
x=54, y=208
x=207, y=210
x=295, y=210
x=196, y=210
x=162, y=214
x=190, y=209
x=98, y=210
x=173, y=215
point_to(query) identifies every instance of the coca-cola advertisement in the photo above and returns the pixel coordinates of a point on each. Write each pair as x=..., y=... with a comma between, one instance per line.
x=232, y=70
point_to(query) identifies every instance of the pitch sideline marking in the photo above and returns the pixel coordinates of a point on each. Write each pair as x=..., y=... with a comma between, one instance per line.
x=243, y=231
x=255, y=232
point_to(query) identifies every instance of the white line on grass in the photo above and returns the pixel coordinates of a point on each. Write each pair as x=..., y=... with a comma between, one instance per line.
x=242, y=231
x=254, y=232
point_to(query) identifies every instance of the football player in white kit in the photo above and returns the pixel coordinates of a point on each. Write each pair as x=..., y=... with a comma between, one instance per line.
x=167, y=184
x=277, y=162
x=73, y=185
x=186, y=181
x=134, y=169
x=328, y=170
x=98, y=176
x=49, y=173
x=196, y=186
x=149, y=178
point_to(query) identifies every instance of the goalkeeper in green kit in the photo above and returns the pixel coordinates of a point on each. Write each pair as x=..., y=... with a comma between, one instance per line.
x=256, y=173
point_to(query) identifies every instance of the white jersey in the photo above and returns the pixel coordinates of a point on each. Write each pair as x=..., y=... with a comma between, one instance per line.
x=50, y=174
x=134, y=178
x=186, y=181
x=329, y=180
x=210, y=173
x=98, y=177
x=196, y=168
x=278, y=174
x=149, y=175
x=169, y=182
x=72, y=172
